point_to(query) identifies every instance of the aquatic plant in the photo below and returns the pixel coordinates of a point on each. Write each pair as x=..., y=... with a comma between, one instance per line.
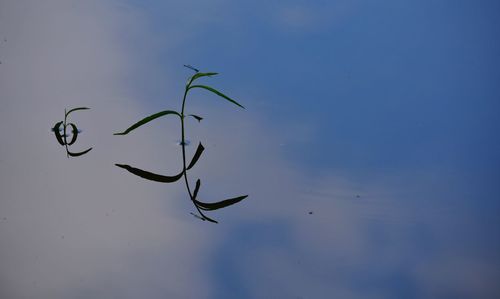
x=193, y=195
x=62, y=127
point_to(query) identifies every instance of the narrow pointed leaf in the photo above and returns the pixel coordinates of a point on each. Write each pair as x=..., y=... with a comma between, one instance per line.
x=75, y=109
x=148, y=119
x=58, y=133
x=53, y=129
x=196, y=156
x=217, y=93
x=199, y=75
x=196, y=216
x=78, y=154
x=198, y=118
x=204, y=217
x=219, y=205
x=191, y=67
x=209, y=219
x=149, y=175
x=75, y=134
x=196, y=188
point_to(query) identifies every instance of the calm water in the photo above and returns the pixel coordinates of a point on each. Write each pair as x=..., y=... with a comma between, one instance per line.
x=369, y=149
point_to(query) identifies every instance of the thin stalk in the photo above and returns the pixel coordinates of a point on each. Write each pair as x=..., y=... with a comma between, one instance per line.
x=183, y=144
x=64, y=134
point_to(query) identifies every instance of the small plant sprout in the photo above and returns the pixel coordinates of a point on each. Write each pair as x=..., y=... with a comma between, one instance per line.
x=193, y=193
x=61, y=127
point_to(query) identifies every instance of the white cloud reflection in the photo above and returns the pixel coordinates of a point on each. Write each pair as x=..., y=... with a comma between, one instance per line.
x=82, y=228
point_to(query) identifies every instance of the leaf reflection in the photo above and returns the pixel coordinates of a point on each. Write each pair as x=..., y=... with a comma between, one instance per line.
x=60, y=131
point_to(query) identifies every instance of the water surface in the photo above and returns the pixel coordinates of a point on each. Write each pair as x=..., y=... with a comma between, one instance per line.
x=369, y=149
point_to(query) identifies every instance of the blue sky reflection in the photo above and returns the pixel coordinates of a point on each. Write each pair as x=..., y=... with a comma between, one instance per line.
x=369, y=148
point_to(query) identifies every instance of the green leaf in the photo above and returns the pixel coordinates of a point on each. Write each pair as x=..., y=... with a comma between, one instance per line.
x=149, y=175
x=217, y=93
x=220, y=204
x=75, y=109
x=75, y=134
x=199, y=75
x=146, y=120
x=56, y=132
x=198, y=118
x=196, y=156
x=78, y=154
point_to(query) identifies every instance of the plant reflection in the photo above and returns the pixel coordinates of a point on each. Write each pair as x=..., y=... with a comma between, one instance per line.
x=62, y=126
x=193, y=195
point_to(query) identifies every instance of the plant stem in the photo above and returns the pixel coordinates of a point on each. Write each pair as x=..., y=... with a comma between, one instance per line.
x=183, y=144
x=64, y=134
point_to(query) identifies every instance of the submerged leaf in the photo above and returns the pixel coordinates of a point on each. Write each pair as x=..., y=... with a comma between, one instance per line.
x=217, y=93
x=57, y=132
x=196, y=156
x=219, y=205
x=75, y=109
x=78, y=154
x=147, y=119
x=75, y=134
x=149, y=175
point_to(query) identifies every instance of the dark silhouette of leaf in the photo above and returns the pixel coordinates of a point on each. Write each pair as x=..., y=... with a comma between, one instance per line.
x=200, y=206
x=220, y=204
x=191, y=67
x=75, y=109
x=195, y=194
x=78, y=154
x=196, y=188
x=196, y=216
x=148, y=119
x=198, y=118
x=75, y=134
x=58, y=133
x=204, y=217
x=217, y=93
x=196, y=156
x=149, y=175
